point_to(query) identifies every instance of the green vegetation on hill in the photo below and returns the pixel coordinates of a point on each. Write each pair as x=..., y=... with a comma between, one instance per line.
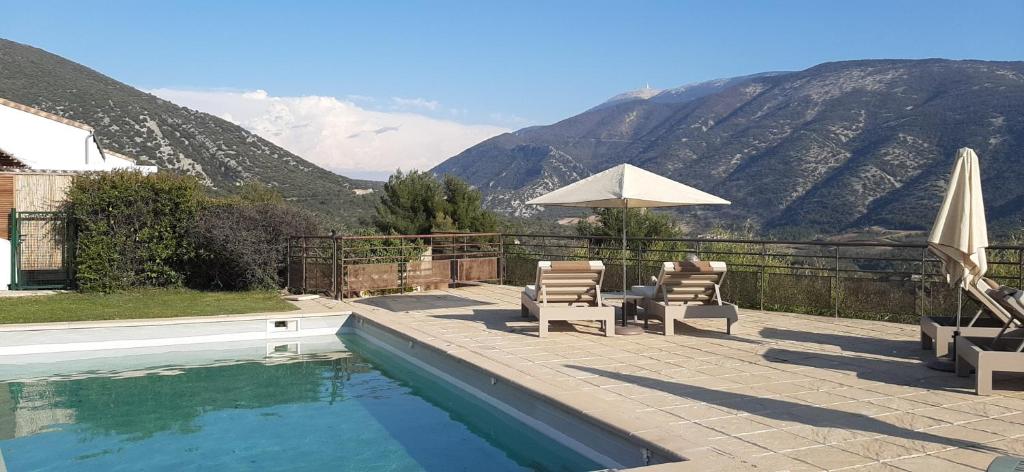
x=220, y=154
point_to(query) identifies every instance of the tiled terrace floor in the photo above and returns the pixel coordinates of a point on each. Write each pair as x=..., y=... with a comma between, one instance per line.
x=784, y=392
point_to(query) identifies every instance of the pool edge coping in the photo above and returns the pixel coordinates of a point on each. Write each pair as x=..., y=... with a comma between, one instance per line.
x=135, y=322
x=613, y=421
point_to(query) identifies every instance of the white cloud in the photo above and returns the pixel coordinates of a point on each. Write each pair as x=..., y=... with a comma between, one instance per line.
x=339, y=135
x=414, y=104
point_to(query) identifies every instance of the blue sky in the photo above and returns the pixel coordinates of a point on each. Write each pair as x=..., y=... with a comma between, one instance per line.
x=495, y=65
x=536, y=60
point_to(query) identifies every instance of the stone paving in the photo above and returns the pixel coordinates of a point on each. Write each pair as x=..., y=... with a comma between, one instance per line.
x=784, y=392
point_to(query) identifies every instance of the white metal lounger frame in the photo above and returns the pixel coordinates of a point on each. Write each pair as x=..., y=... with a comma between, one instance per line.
x=988, y=355
x=569, y=291
x=689, y=290
x=937, y=332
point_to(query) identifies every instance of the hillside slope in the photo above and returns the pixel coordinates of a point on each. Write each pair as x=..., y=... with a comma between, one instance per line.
x=836, y=147
x=156, y=131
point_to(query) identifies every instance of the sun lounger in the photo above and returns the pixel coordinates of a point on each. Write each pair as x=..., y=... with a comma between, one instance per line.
x=1002, y=353
x=987, y=322
x=687, y=290
x=568, y=290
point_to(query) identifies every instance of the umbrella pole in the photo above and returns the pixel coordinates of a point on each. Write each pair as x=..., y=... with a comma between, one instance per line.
x=624, y=262
x=959, y=309
x=624, y=329
x=948, y=364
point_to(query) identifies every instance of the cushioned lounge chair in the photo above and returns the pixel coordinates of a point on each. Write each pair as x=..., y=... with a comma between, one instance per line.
x=1002, y=353
x=568, y=290
x=987, y=322
x=687, y=290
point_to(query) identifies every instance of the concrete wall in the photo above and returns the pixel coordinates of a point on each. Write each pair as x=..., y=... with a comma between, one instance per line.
x=5, y=264
x=45, y=144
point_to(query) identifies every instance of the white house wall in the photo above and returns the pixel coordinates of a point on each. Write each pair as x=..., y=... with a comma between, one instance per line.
x=44, y=144
x=5, y=264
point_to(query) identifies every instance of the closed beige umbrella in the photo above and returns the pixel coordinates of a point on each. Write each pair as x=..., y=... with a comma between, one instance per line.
x=960, y=234
x=626, y=186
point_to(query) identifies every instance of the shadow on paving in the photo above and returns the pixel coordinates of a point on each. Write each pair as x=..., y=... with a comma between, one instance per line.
x=809, y=415
x=683, y=328
x=510, y=321
x=889, y=371
x=907, y=349
x=411, y=302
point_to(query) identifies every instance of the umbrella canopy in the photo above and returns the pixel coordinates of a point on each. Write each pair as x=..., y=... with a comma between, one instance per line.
x=626, y=186
x=960, y=235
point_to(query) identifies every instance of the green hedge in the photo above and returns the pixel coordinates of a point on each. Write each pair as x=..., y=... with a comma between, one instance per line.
x=133, y=229
x=161, y=230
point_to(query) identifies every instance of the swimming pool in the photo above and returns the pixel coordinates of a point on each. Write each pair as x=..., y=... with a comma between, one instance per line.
x=353, y=409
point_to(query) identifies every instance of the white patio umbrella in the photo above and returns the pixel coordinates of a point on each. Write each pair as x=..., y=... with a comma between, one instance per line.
x=626, y=186
x=960, y=234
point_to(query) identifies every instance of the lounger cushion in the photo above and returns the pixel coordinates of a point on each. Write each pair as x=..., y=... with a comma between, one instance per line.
x=647, y=291
x=530, y=291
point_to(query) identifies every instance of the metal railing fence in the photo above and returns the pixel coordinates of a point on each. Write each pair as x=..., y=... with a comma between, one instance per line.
x=873, y=280
x=343, y=266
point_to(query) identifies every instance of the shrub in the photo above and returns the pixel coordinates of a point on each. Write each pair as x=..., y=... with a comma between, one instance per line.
x=133, y=229
x=242, y=244
x=160, y=230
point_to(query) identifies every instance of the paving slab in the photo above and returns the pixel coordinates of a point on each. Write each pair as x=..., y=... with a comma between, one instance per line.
x=783, y=392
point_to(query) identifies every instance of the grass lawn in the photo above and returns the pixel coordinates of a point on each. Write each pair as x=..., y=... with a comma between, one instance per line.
x=145, y=303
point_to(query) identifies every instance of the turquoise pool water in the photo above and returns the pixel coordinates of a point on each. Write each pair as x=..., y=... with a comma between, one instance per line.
x=354, y=410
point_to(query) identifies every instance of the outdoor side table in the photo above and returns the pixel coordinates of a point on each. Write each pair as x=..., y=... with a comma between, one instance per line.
x=629, y=306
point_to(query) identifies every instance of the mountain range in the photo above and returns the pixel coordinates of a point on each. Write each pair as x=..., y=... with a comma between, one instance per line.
x=155, y=131
x=834, y=148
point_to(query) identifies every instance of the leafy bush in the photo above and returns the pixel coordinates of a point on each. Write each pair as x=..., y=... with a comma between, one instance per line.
x=133, y=229
x=242, y=245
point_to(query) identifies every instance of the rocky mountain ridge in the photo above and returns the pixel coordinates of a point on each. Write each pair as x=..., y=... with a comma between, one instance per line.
x=833, y=148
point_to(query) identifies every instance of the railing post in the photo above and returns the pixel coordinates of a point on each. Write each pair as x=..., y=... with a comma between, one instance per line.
x=15, y=228
x=288, y=260
x=764, y=262
x=341, y=269
x=303, y=265
x=401, y=276
x=334, y=267
x=1020, y=268
x=639, y=258
x=920, y=295
x=835, y=290
x=501, y=258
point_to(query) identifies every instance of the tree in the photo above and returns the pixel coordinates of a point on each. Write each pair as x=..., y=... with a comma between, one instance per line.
x=411, y=203
x=465, y=207
x=640, y=223
x=417, y=203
